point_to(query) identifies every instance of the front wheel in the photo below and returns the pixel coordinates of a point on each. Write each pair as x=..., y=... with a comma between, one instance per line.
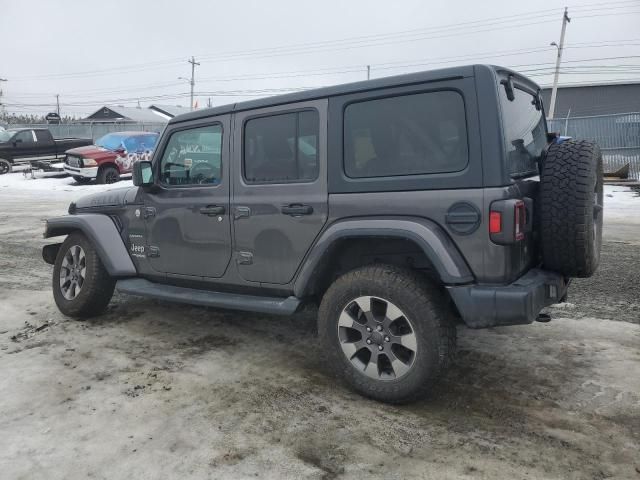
x=81, y=285
x=389, y=332
x=108, y=174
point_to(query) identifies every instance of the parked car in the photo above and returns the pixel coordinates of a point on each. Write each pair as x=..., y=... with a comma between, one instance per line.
x=401, y=205
x=111, y=156
x=33, y=146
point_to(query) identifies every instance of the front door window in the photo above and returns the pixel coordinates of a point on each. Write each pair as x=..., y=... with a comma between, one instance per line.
x=193, y=157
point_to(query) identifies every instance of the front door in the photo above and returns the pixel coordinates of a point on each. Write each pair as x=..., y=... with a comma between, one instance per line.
x=26, y=147
x=187, y=215
x=280, y=188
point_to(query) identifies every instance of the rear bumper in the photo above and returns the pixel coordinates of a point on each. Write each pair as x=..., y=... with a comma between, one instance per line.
x=89, y=172
x=482, y=306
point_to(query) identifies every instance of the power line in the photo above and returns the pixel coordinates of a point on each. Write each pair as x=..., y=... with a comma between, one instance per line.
x=467, y=28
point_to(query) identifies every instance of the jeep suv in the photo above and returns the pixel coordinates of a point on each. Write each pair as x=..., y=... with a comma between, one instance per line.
x=401, y=205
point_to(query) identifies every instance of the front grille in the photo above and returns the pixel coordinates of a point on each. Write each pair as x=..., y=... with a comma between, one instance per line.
x=74, y=161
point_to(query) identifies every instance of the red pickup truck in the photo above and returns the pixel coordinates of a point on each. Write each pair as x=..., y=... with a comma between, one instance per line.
x=111, y=156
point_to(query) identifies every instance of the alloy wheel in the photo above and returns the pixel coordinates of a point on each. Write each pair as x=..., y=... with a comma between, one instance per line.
x=73, y=272
x=377, y=338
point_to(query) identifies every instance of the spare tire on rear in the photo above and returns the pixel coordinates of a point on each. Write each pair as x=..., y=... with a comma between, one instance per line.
x=570, y=209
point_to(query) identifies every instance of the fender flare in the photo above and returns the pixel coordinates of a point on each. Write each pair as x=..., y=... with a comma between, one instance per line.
x=434, y=241
x=102, y=233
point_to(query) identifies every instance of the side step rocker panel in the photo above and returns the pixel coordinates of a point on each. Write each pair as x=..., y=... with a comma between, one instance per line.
x=232, y=301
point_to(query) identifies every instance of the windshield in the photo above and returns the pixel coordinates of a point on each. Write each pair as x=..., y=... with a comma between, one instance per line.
x=131, y=143
x=5, y=135
x=525, y=133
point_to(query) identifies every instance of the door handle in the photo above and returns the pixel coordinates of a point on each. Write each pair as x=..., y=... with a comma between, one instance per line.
x=212, y=210
x=296, y=209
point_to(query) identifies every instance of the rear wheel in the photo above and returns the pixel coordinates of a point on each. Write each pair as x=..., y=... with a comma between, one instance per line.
x=5, y=166
x=389, y=332
x=108, y=174
x=571, y=204
x=81, y=285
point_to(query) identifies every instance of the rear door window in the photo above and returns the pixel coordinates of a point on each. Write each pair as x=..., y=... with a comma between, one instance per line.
x=416, y=134
x=525, y=132
x=281, y=148
x=42, y=136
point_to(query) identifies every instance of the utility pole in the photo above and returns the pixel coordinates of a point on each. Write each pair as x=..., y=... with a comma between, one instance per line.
x=2, y=110
x=58, y=104
x=192, y=82
x=554, y=90
x=368, y=72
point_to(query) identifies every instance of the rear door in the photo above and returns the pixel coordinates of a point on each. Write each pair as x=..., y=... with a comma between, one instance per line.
x=187, y=216
x=279, y=188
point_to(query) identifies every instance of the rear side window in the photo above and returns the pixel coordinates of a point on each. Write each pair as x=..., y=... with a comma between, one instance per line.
x=281, y=148
x=406, y=135
x=42, y=136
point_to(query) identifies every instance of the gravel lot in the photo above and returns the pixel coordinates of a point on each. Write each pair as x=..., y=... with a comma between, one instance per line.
x=155, y=390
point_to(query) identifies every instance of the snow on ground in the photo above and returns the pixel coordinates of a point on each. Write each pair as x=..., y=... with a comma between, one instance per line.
x=60, y=187
x=622, y=204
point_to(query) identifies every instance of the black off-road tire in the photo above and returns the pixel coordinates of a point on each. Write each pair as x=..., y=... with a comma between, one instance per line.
x=81, y=179
x=97, y=288
x=108, y=174
x=5, y=166
x=571, y=201
x=423, y=303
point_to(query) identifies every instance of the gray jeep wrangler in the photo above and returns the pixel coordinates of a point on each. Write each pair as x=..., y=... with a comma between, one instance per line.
x=402, y=206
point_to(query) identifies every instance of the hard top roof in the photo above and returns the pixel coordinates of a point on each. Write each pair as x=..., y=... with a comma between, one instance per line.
x=324, y=92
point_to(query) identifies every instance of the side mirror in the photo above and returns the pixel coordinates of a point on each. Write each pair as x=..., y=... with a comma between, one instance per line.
x=142, y=173
x=17, y=141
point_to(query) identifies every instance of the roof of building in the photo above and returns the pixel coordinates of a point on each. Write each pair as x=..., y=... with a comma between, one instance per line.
x=111, y=113
x=592, y=84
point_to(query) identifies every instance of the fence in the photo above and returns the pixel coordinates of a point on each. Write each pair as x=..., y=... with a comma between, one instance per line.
x=618, y=137
x=93, y=130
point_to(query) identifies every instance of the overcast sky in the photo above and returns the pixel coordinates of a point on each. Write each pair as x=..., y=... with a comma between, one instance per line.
x=118, y=51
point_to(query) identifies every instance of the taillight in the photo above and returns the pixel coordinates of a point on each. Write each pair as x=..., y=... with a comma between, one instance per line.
x=508, y=221
x=495, y=222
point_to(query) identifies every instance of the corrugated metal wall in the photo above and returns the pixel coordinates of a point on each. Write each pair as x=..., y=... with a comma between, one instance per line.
x=617, y=135
x=589, y=100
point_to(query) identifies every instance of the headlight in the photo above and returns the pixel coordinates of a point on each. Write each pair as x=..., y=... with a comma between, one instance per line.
x=89, y=162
